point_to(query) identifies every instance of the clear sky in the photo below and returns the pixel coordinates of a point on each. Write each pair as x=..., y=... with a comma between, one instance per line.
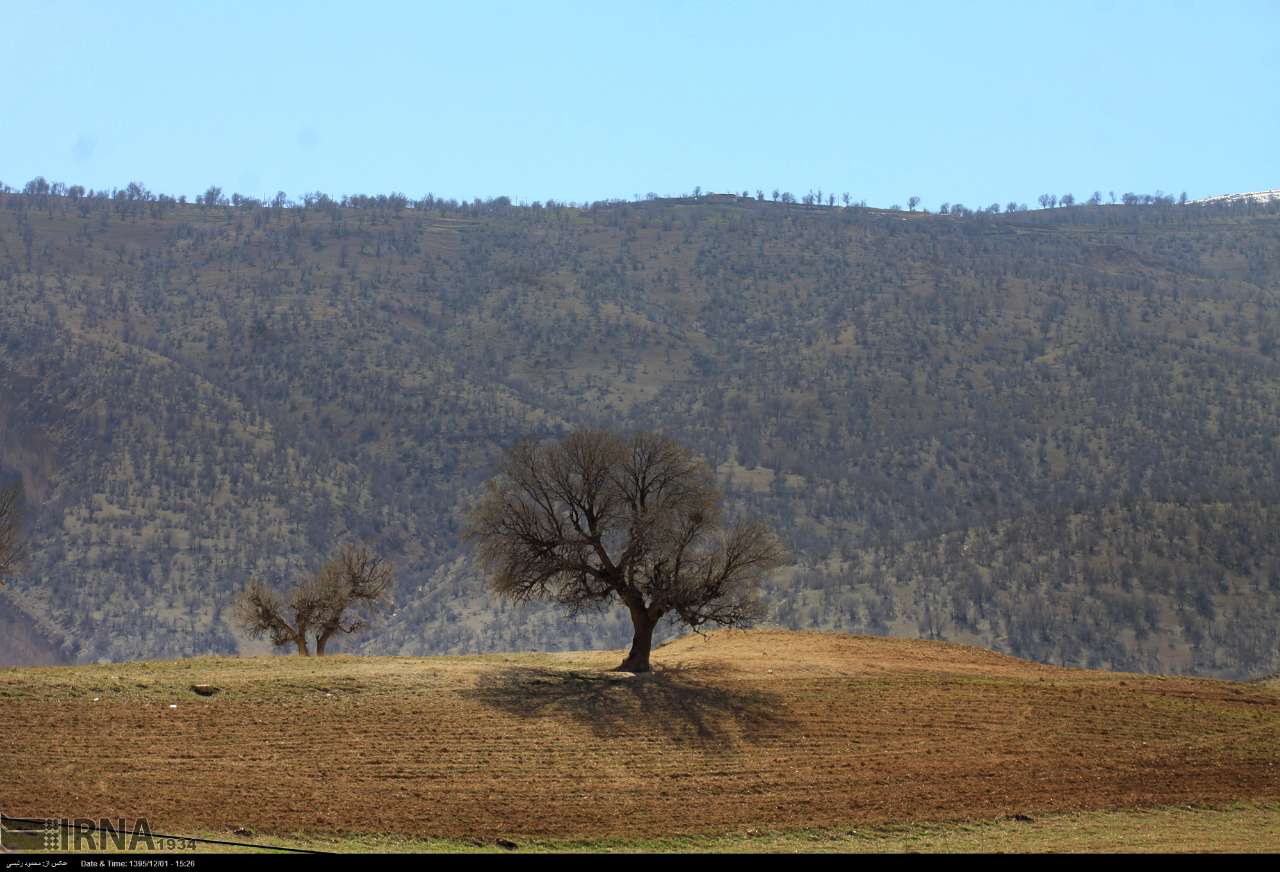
x=958, y=101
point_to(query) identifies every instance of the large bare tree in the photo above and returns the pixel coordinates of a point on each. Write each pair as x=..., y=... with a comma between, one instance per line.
x=12, y=543
x=337, y=599
x=599, y=515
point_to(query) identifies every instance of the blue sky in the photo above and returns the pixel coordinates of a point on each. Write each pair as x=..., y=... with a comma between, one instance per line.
x=961, y=102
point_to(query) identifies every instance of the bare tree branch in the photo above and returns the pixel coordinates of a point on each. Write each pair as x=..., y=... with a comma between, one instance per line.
x=355, y=579
x=261, y=613
x=339, y=598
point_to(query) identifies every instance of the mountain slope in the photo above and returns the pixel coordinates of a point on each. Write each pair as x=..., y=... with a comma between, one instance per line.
x=197, y=394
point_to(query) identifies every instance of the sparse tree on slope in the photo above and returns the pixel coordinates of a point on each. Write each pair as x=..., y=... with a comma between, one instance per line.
x=12, y=545
x=599, y=515
x=212, y=197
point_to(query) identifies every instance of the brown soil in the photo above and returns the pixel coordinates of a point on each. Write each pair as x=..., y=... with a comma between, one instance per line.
x=764, y=729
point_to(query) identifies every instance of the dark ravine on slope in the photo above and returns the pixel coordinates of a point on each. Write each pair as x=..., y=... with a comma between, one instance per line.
x=1054, y=433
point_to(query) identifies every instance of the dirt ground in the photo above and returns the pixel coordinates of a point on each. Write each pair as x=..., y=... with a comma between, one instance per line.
x=739, y=730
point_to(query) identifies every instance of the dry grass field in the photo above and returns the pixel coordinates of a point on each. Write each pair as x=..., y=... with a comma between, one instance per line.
x=734, y=735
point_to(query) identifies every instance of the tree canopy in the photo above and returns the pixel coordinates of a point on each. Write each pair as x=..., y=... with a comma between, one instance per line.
x=599, y=515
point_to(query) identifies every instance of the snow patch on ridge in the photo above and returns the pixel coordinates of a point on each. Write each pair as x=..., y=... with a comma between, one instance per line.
x=1247, y=196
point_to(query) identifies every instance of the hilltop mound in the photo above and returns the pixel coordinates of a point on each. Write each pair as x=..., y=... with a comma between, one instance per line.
x=764, y=729
x=816, y=653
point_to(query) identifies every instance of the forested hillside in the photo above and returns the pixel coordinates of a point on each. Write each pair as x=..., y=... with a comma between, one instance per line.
x=1054, y=432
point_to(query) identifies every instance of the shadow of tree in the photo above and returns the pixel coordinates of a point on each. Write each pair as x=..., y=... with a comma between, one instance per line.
x=696, y=706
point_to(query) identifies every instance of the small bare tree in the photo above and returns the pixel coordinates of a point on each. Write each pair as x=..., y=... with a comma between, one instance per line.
x=599, y=515
x=337, y=599
x=13, y=546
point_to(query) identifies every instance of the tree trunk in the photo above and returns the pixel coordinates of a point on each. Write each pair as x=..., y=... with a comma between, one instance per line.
x=641, y=642
x=301, y=642
x=320, y=642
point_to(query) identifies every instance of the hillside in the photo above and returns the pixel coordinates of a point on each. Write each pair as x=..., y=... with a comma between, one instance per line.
x=736, y=731
x=1053, y=433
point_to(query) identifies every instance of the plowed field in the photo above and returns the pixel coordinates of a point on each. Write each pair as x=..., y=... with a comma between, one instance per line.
x=760, y=729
